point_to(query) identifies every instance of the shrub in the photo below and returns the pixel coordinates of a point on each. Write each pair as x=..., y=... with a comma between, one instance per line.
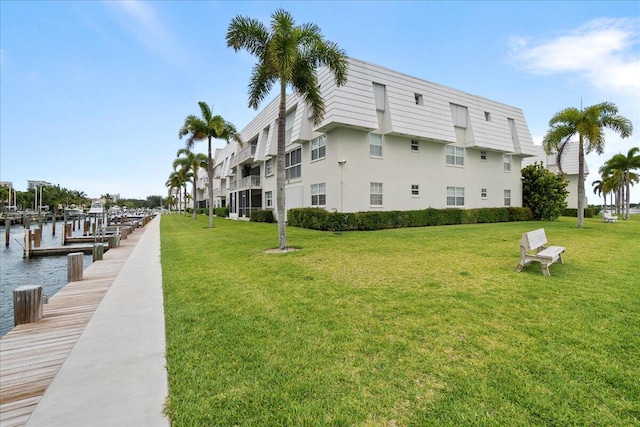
x=544, y=192
x=223, y=212
x=262, y=216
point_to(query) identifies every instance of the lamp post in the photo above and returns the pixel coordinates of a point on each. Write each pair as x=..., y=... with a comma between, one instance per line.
x=341, y=163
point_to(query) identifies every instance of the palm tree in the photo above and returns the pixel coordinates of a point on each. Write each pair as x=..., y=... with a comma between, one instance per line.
x=170, y=201
x=290, y=54
x=589, y=124
x=208, y=127
x=175, y=181
x=623, y=166
x=598, y=187
x=192, y=162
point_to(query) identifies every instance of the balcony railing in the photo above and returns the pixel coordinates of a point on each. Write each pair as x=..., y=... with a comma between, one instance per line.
x=251, y=181
x=247, y=154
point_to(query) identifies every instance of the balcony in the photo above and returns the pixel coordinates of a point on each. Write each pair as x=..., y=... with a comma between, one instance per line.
x=217, y=171
x=251, y=181
x=247, y=154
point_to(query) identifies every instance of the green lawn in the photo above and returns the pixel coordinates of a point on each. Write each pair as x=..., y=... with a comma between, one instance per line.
x=407, y=327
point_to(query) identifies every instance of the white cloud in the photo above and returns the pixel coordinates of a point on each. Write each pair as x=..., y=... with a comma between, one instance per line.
x=604, y=51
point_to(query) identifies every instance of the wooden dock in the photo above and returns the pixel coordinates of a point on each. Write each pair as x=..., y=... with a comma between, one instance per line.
x=32, y=354
x=65, y=250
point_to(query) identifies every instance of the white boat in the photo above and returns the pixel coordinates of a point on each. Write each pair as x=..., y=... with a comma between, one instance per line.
x=96, y=208
x=72, y=211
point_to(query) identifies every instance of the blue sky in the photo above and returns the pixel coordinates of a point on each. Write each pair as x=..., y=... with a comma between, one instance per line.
x=93, y=93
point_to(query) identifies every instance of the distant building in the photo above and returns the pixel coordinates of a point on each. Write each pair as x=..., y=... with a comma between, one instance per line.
x=388, y=141
x=37, y=184
x=569, y=165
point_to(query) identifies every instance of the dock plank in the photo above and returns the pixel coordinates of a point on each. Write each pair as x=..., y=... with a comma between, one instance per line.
x=31, y=354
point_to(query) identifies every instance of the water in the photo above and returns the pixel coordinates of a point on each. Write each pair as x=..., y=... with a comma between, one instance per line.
x=50, y=271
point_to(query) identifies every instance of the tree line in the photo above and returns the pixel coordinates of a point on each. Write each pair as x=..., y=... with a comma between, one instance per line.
x=56, y=199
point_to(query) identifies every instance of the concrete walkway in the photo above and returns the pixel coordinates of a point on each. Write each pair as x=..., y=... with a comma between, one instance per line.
x=115, y=375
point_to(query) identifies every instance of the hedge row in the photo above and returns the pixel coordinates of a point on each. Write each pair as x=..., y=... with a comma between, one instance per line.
x=320, y=219
x=262, y=216
x=588, y=212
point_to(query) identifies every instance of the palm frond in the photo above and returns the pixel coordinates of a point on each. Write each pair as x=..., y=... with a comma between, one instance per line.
x=262, y=80
x=247, y=33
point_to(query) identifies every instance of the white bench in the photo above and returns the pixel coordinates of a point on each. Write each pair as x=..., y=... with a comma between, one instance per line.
x=607, y=217
x=545, y=255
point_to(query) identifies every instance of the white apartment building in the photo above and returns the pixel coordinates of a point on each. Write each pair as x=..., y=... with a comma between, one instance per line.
x=388, y=141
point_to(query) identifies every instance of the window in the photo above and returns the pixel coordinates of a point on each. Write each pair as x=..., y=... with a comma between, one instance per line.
x=375, y=145
x=507, y=163
x=288, y=126
x=483, y=193
x=415, y=190
x=318, y=194
x=459, y=114
x=268, y=167
x=418, y=98
x=507, y=197
x=375, y=194
x=487, y=116
x=455, y=155
x=415, y=146
x=483, y=155
x=318, y=148
x=380, y=96
x=293, y=164
x=268, y=199
x=455, y=196
x=513, y=130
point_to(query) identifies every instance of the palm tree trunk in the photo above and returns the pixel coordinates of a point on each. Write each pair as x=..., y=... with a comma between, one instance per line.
x=628, y=198
x=186, y=199
x=210, y=182
x=280, y=168
x=194, y=198
x=619, y=199
x=580, y=183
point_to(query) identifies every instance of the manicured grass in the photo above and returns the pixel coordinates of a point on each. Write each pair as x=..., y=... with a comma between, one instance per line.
x=406, y=327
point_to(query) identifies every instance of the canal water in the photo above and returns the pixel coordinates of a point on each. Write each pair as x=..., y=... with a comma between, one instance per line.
x=50, y=271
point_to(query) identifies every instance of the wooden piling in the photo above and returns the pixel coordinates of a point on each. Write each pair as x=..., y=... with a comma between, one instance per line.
x=85, y=230
x=27, y=304
x=7, y=230
x=113, y=241
x=53, y=224
x=98, y=252
x=27, y=243
x=75, y=264
x=37, y=237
